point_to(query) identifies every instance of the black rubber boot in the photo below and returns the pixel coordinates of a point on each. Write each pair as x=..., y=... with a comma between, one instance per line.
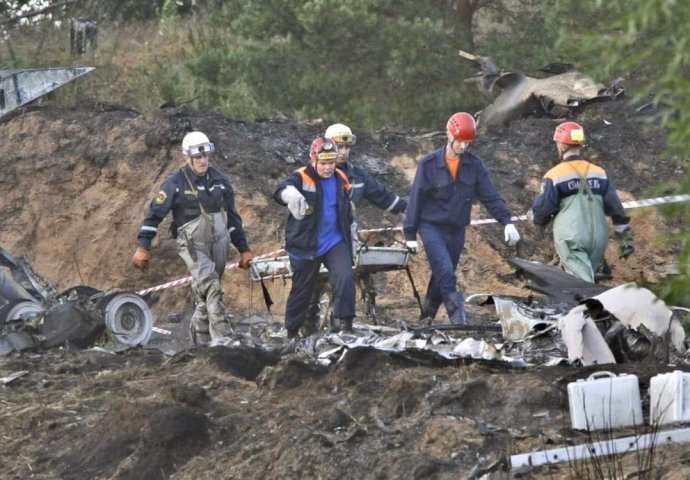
x=310, y=326
x=292, y=333
x=429, y=310
x=346, y=325
x=335, y=324
x=455, y=306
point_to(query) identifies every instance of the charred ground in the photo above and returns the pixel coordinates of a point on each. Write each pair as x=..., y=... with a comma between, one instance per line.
x=75, y=185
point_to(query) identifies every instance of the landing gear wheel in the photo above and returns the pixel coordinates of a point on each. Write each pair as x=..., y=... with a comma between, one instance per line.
x=128, y=317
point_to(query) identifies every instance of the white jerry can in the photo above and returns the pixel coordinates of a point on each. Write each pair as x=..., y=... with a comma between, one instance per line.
x=669, y=398
x=605, y=401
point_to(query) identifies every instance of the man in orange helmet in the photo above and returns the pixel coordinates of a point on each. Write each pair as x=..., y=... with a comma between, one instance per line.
x=318, y=231
x=446, y=185
x=578, y=196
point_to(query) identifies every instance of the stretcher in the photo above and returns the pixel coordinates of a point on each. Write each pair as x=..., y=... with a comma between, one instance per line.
x=368, y=260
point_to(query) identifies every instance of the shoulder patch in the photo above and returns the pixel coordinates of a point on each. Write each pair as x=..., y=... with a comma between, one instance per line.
x=161, y=198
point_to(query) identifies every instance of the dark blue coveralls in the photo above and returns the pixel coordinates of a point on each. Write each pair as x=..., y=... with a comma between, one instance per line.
x=439, y=209
x=364, y=187
x=205, y=220
x=301, y=244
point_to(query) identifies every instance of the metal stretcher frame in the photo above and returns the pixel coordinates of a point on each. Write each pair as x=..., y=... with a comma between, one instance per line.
x=368, y=260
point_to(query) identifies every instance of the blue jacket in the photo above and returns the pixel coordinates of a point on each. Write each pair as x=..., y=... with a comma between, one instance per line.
x=213, y=191
x=301, y=235
x=438, y=199
x=364, y=186
x=563, y=180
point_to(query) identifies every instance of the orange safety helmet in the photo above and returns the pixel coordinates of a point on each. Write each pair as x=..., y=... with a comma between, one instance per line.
x=462, y=127
x=323, y=149
x=570, y=133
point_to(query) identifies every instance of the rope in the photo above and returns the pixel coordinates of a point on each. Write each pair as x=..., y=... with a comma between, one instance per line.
x=647, y=202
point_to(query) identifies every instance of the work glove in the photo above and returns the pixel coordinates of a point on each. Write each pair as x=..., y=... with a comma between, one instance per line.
x=245, y=259
x=296, y=202
x=141, y=259
x=511, y=234
x=626, y=244
x=412, y=246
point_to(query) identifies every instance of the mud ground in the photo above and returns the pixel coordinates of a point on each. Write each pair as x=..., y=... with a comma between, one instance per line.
x=74, y=188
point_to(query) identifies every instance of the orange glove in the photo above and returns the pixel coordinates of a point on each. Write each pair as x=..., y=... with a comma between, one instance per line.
x=245, y=258
x=141, y=259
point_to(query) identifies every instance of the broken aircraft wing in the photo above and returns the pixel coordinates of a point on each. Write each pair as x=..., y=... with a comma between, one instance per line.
x=19, y=87
x=559, y=286
x=516, y=94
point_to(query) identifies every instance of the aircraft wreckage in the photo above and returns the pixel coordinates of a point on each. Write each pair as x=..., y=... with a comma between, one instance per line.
x=568, y=321
x=515, y=94
x=34, y=315
x=20, y=87
x=572, y=322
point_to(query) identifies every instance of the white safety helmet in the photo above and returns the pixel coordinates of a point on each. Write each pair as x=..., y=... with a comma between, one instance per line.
x=340, y=134
x=195, y=144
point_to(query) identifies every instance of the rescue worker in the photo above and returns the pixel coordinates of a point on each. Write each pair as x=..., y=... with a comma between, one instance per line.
x=578, y=196
x=446, y=185
x=318, y=232
x=364, y=186
x=204, y=223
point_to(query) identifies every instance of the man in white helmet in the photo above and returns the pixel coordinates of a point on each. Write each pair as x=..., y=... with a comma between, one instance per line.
x=364, y=186
x=205, y=221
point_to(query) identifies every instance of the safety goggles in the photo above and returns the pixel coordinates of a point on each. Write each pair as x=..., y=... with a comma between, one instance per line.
x=200, y=150
x=345, y=139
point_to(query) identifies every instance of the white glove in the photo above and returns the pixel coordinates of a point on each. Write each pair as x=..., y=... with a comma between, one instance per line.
x=296, y=202
x=511, y=234
x=412, y=246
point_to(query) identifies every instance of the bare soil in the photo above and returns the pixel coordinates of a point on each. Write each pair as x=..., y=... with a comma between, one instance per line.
x=75, y=184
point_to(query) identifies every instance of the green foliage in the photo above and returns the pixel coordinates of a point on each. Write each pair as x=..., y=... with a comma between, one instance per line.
x=520, y=39
x=367, y=62
x=168, y=15
x=160, y=83
x=643, y=39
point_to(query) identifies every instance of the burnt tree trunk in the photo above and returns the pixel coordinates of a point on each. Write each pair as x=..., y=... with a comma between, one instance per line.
x=465, y=10
x=82, y=35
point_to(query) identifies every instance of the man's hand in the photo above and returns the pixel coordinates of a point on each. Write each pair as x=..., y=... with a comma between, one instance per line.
x=245, y=260
x=511, y=234
x=626, y=244
x=412, y=246
x=141, y=259
x=296, y=202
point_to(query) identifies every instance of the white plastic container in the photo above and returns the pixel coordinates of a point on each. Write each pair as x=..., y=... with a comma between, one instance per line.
x=605, y=401
x=669, y=398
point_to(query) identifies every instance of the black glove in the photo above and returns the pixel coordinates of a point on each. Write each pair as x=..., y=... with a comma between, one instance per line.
x=626, y=244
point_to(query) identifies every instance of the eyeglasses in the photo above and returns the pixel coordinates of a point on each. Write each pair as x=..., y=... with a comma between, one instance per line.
x=200, y=150
x=345, y=139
